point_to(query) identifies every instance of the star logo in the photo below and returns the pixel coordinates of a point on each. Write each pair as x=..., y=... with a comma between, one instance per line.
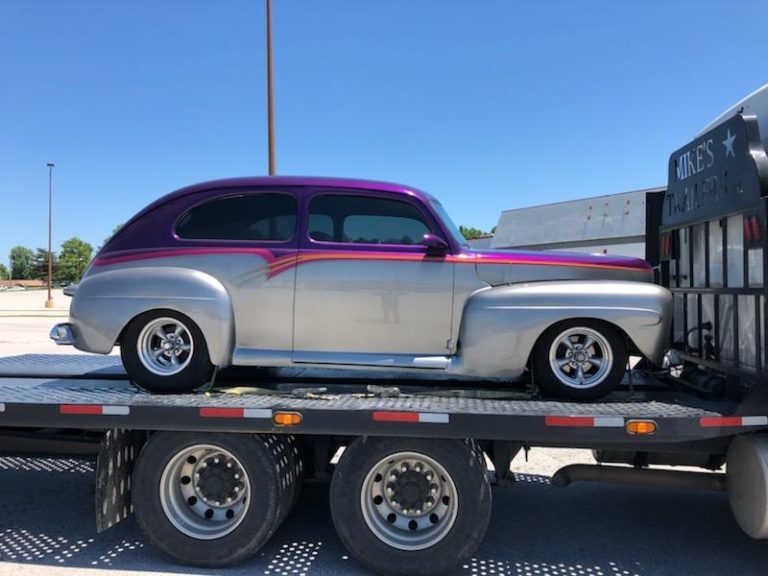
x=728, y=143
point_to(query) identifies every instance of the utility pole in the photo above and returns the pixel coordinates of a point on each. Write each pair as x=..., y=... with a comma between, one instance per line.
x=49, y=302
x=270, y=103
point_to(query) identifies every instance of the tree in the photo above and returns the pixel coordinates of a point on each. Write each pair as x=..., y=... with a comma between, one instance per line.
x=73, y=259
x=3, y=272
x=21, y=263
x=40, y=265
x=472, y=233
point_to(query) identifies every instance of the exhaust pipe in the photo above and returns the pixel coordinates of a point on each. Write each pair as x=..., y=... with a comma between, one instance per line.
x=639, y=477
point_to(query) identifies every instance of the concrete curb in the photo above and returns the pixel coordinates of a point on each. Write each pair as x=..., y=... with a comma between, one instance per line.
x=34, y=314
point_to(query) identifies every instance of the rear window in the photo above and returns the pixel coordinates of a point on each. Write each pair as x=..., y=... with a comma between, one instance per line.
x=265, y=217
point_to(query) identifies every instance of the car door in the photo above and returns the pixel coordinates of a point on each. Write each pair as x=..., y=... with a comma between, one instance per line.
x=367, y=292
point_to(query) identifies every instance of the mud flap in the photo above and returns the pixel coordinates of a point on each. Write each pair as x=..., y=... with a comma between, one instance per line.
x=114, y=468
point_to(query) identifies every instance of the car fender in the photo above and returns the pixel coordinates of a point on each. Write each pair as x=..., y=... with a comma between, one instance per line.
x=501, y=325
x=106, y=302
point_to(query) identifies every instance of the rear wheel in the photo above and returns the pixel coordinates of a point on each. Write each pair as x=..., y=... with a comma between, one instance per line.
x=411, y=506
x=579, y=360
x=164, y=351
x=207, y=503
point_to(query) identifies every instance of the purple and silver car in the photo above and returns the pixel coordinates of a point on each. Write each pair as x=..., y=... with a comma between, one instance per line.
x=290, y=271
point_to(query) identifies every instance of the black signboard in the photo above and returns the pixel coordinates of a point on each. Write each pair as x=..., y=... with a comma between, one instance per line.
x=720, y=172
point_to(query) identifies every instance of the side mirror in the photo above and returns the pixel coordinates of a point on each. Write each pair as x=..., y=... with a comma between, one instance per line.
x=434, y=244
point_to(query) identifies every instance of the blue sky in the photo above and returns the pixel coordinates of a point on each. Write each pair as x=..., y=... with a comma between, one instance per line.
x=490, y=105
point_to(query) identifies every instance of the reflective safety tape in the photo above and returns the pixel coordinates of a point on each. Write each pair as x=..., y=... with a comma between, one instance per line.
x=411, y=417
x=732, y=421
x=94, y=409
x=211, y=412
x=584, y=421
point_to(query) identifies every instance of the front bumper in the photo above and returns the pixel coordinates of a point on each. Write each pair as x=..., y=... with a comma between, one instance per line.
x=63, y=334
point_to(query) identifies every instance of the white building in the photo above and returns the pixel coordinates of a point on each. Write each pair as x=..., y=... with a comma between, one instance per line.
x=611, y=224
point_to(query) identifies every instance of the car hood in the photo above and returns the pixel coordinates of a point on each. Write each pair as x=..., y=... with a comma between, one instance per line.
x=497, y=267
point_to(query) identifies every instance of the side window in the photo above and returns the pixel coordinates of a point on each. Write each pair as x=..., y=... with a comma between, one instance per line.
x=365, y=220
x=270, y=217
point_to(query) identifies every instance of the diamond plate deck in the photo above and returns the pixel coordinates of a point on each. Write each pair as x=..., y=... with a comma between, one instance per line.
x=121, y=392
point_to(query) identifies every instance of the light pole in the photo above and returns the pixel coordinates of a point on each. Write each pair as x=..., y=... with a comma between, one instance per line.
x=49, y=302
x=270, y=105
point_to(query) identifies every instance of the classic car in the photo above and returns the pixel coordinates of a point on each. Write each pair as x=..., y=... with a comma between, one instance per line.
x=295, y=271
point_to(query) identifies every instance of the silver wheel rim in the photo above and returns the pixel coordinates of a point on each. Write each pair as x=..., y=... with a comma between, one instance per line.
x=205, y=492
x=580, y=357
x=165, y=346
x=409, y=501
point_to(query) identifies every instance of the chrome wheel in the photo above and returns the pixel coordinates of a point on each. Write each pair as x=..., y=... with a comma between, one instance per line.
x=165, y=346
x=409, y=501
x=580, y=357
x=204, y=491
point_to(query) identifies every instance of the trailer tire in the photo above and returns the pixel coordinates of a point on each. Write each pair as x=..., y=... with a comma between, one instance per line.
x=379, y=529
x=177, y=477
x=595, y=362
x=160, y=363
x=747, y=481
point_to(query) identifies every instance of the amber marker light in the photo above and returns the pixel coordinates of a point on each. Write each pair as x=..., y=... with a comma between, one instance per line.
x=287, y=418
x=641, y=427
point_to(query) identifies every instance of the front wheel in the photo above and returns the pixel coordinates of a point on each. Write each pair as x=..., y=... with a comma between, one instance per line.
x=411, y=506
x=579, y=360
x=164, y=351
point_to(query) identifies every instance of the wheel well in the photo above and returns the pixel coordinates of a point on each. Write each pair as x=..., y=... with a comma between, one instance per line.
x=631, y=348
x=130, y=321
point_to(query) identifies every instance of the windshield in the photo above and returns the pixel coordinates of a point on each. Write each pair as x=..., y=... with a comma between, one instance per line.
x=453, y=230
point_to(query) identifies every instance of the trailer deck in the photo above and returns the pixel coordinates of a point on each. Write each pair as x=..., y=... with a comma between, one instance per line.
x=88, y=392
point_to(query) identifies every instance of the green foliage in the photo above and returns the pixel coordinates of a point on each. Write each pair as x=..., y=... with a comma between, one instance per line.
x=3, y=272
x=472, y=233
x=40, y=265
x=73, y=259
x=22, y=259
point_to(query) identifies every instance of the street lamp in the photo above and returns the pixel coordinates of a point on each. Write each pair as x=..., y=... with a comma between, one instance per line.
x=49, y=302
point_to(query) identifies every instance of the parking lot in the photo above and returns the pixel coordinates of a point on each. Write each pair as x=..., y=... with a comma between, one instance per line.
x=47, y=521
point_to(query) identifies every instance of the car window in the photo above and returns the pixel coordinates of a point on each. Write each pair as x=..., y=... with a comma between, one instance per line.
x=270, y=217
x=365, y=220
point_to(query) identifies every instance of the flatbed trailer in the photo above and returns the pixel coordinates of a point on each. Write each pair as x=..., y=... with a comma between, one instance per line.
x=303, y=417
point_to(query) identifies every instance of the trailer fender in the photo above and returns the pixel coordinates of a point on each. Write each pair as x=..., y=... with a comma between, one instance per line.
x=501, y=325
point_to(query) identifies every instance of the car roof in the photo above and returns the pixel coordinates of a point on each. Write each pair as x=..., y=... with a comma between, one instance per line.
x=276, y=181
x=307, y=181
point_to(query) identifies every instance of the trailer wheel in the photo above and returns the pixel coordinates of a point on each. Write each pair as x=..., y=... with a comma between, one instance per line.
x=579, y=360
x=411, y=506
x=206, y=502
x=165, y=352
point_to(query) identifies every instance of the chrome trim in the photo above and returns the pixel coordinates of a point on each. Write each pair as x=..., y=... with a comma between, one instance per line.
x=63, y=334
